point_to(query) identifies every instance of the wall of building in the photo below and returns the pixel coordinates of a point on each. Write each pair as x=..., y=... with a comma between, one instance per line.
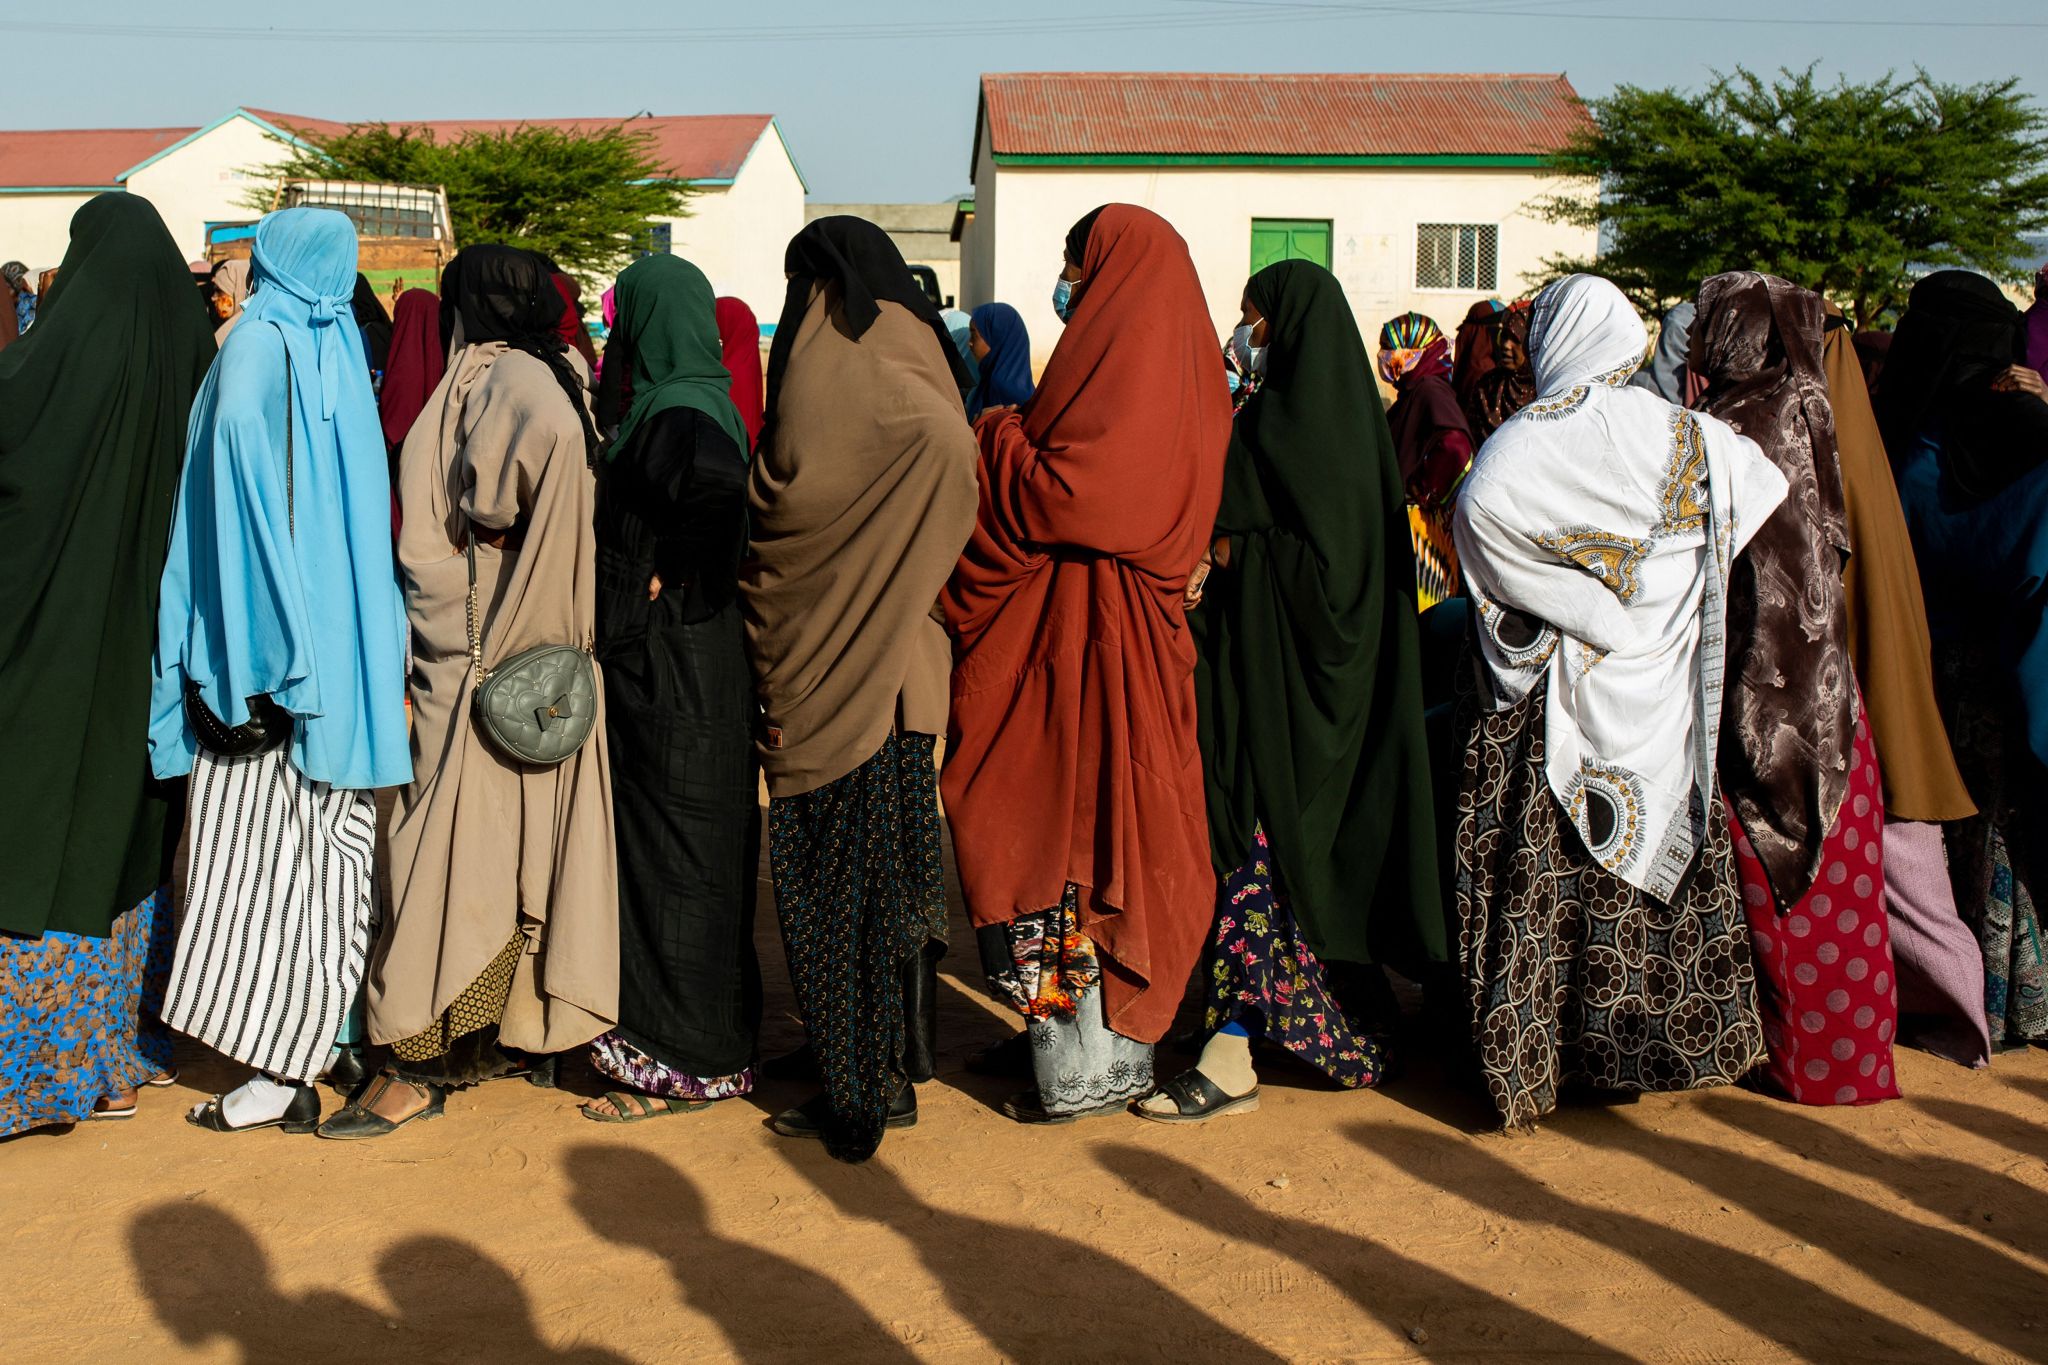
x=737, y=234
x=1373, y=214
x=978, y=242
x=204, y=180
x=35, y=228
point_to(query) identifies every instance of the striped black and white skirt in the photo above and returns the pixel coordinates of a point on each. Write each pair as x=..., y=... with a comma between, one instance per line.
x=279, y=910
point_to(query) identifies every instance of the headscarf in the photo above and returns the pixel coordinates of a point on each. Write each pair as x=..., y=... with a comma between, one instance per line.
x=1073, y=756
x=1310, y=684
x=1473, y=356
x=1666, y=373
x=231, y=278
x=1960, y=333
x=1595, y=534
x=571, y=329
x=957, y=325
x=280, y=579
x=374, y=323
x=93, y=405
x=501, y=293
x=1412, y=344
x=607, y=309
x=1888, y=636
x=417, y=360
x=1005, y=377
x=1789, y=721
x=668, y=333
x=858, y=259
x=739, y=341
x=2037, y=325
x=1503, y=391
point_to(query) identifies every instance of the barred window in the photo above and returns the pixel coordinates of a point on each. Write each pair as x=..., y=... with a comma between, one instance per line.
x=1457, y=256
x=657, y=239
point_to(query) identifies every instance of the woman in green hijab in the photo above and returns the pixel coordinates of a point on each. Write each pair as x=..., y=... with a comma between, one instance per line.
x=93, y=404
x=671, y=526
x=1309, y=692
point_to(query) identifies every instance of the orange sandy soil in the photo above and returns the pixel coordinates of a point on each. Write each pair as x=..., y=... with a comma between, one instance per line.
x=1718, y=1226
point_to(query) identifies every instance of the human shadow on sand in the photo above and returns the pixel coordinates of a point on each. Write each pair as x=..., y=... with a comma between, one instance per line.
x=1803, y=1318
x=1031, y=1294
x=1407, y=1297
x=768, y=1306
x=211, y=1281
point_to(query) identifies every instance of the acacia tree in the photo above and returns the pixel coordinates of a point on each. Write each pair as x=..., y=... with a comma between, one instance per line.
x=581, y=196
x=1844, y=189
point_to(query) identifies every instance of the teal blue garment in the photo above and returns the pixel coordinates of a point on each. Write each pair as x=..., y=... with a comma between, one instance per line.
x=298, y=601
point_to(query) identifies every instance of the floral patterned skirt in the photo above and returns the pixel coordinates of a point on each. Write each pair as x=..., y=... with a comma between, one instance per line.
x=1263, y=975
x=80, y=1017
x=1053, y=978
x=1572, y=973
x=613, y=1056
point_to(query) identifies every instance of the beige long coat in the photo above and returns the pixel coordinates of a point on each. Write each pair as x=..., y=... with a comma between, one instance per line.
x=481, y=847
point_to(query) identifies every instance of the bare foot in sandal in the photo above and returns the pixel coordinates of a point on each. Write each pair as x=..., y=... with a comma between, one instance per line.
x=630, y=1106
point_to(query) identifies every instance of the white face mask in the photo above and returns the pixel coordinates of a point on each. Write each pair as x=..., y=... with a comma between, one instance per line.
x=1250, y=359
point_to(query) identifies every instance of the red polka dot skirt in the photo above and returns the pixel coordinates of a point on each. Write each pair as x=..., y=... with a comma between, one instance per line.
x=1824, y=973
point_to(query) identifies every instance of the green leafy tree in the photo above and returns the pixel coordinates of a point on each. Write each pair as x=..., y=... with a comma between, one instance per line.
x=1843, y=188
x=581, y=196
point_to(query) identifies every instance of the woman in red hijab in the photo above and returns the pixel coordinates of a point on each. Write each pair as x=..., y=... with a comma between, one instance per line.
x=419, y=355
x=739, y=337
x=1073, y=778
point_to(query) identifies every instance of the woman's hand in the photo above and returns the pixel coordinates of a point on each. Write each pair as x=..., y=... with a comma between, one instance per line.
x=654, y=587
x=2022, y=379
x=1192, y=596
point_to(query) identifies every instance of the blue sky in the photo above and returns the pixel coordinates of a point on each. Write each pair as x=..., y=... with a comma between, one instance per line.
x=877, y=98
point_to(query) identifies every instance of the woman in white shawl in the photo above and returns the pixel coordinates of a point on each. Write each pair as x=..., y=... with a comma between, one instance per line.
x=1602, y=930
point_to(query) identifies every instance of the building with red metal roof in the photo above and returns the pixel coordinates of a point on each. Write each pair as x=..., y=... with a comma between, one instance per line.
x=1419, y=192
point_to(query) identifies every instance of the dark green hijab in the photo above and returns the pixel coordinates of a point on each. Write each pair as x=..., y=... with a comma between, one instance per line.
x=1309, y=682
x=93, y=402
x=666, y=331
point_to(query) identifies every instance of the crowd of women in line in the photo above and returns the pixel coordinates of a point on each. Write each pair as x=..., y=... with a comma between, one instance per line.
x=1678, y=781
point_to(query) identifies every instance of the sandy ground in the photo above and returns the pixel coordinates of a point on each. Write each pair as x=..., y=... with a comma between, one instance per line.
x=1327, y=1226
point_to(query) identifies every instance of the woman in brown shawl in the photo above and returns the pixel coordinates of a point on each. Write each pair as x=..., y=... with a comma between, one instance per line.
x=1798, y=769
x=1941, y=971
x=862, y=493
x=502, y=942
x=1509, y=385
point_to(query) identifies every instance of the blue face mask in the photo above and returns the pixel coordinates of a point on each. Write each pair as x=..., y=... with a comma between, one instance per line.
x=1063, y=299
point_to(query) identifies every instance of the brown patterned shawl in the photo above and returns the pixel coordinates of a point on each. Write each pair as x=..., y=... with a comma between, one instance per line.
x=1789, y=718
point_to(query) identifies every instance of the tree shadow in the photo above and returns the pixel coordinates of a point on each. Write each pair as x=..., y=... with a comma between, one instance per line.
x=210, y=1280
x=1029, y=1293
x=1402, y=1294
x=1803, y=1318
x=1959, y=1192
x=768, y=1306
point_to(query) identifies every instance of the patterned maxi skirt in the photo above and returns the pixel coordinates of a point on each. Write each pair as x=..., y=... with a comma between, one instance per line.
x=1573, y=974
x=860, y=890
x=1826, y=984
x=279, y=907
x=79, y=1017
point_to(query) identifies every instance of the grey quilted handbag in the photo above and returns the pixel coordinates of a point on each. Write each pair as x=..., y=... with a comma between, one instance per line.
x=538, y=706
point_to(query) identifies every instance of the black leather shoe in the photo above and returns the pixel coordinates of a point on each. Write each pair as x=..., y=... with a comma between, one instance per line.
x=347, y=1073
x=302, y=1115
x=807, y=1120
x=355, y=1121
x=921, y=1013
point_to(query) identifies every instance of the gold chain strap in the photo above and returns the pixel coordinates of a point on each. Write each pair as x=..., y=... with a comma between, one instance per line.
x=476, y=642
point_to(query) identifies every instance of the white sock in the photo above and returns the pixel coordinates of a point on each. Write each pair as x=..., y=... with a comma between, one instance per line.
x=258, y=1100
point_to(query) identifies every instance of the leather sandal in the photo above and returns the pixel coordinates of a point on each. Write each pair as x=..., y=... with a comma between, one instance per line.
x=302, y=1115
x=355, y=1121
x=631, y=1106
x=1197, y=1099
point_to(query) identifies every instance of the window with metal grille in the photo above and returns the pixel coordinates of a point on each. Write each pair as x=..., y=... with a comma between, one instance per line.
x=1457, y=256
x=657, y=239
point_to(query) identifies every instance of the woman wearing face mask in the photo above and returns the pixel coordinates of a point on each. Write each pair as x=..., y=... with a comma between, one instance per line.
x=1309, y=692
x=1432, y=443
x=1073, y=775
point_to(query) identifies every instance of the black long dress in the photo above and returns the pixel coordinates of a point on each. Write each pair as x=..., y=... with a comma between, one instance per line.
x=680, y=715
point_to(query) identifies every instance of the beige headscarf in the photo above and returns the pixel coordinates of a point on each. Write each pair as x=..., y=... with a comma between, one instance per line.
x=861, y=499
x=232, y=279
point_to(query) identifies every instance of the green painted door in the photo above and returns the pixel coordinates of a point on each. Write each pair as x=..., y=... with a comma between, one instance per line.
x=1290, y=239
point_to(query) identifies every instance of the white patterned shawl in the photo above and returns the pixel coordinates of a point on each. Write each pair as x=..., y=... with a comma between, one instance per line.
x=1595, y=533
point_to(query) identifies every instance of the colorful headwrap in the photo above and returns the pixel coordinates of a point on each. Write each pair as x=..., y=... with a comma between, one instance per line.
x=1404, y=343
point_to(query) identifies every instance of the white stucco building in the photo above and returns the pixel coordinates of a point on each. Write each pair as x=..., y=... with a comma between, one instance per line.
x=1419, y=192
x=749, y=200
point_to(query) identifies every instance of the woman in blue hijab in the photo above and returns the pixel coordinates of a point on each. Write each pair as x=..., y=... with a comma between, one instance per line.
x=280, y=606
x=1002, y=348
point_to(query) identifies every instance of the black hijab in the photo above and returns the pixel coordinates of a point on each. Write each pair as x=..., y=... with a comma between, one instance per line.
x=859, y=258
x=1078, y=235
x=501, y=293
x=374, y=322
x=1959, y=334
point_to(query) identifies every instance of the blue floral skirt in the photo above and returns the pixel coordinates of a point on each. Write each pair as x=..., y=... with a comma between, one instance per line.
x=80, y=1017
